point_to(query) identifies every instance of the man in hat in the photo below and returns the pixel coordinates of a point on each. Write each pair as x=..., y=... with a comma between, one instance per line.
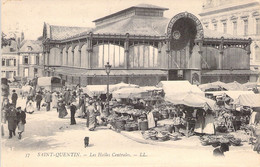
x=11, y=120
x=14, y=98
x=73, y=109
x=21, y=116
x=218, y=152
x=38, y=100
x=48, y=100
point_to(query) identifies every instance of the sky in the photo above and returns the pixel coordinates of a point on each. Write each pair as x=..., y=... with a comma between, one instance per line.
x=29, y=15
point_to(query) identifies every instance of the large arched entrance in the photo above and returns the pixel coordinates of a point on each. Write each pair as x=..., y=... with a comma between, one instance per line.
x=182, y=32
x=178, y=22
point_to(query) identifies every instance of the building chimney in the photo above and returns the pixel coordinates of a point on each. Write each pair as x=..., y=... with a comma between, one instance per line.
x=22, y=37
x=19, y=43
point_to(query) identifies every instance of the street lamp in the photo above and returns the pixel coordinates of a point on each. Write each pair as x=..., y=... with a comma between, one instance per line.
x=108, y=68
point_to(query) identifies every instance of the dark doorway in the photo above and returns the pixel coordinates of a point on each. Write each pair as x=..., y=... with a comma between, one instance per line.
x=174, y=75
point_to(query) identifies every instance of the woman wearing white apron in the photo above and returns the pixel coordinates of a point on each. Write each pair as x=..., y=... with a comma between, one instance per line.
x=54, y=100
x=209, y=123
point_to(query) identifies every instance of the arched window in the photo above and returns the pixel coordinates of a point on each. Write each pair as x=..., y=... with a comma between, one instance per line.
x=111, y=53
x=143, y=56
x=54, y=56
x=84, y=56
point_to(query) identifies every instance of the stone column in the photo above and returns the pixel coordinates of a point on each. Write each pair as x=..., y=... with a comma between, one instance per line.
x=200, y=44
x=248, y=51
x=44, y=57
x=90, y=49
x=48, y=58
x=168, y=50
x=221, y=52
x=67, y=57
x=61, y=57
x=72, y=51
x=79, y=57
x=126, y=47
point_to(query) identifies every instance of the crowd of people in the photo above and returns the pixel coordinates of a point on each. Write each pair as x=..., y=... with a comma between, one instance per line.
x=74, y=100
x=15, y=118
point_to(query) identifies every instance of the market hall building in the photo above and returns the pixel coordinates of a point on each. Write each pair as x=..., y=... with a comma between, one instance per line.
x=144, y=47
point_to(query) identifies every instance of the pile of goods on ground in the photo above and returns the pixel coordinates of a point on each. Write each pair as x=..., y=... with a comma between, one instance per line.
x=128, y=110
x=160, y=135
x=215, y=140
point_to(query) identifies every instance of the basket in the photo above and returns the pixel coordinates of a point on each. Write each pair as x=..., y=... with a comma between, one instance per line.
x=165, y=114
x=120, y=124
x=204, y=143
x=174, y=138
x=153, y=138
x=135, y=127
x=143, y=125
x=164, y=138
x=235, y=142
x=128, y=128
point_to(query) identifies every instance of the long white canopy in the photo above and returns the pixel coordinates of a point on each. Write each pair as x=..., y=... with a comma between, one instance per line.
x=179, y=87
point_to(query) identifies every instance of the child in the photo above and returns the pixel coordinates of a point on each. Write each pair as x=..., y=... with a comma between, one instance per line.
x=21, y=116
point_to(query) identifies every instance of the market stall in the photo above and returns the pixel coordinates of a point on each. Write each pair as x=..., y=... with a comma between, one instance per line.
x=121, y=85
x=50, y=83
x=250, y=100
x=94, y=90
x=179, y=87
x=235, y=86
x=214, y=86
x=192, y=100
x=130, y=93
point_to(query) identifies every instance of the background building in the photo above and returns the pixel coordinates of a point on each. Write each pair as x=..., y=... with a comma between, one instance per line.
x=9, y=56
x=30, y=59
x=144, y=47
x=237, y=17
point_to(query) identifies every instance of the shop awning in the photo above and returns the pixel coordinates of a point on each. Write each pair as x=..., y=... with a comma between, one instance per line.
x=251, y=100
x=230, y=72
x=192, y=100
x=175, y=88
x=114, y=72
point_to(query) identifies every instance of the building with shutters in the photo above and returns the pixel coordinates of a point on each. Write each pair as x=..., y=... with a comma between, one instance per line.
x=9, y=55
x=237, y=17
x=144, y=47
x=31, y=59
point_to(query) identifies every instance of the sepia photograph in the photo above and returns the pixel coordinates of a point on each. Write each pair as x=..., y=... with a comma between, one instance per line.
x=147, y=83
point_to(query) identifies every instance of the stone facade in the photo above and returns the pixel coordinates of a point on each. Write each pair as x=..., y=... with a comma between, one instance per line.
x=10, y=61
x=31, y=59
x=237, y=17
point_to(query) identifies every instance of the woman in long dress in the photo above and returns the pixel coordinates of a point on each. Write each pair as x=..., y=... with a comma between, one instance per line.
x=82, y=106
x=91, y=119
x=54, y=100
x=209, y=123
x=62, y=109
x=5, y=107
x=200, y=122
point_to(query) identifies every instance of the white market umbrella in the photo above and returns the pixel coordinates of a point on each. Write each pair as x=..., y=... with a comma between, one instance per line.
x=131, y=93
x=192, y=100
x=121, y=85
